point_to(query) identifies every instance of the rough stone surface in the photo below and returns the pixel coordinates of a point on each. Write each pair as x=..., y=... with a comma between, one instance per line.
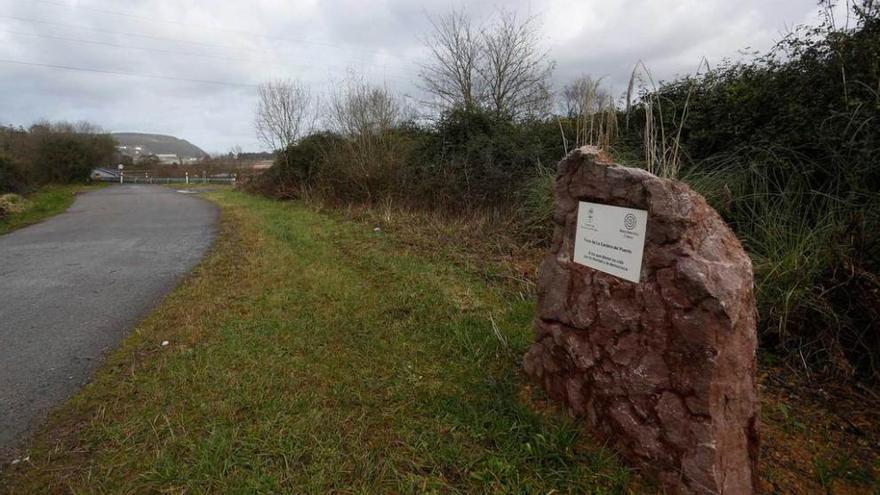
x=664, y=369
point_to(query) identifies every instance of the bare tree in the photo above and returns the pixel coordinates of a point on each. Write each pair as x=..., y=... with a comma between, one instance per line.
x=583, y=95
x=284, y=113
x=367, y=115
x=456, y=53
x=359, y=109
x=501, y=69
x=515, y=71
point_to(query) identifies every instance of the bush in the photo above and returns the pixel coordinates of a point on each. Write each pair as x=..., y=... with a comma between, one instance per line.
x=51, y=153
x=466, y=160
x=299, y=164
x=474, y=159
x=13, y=175
x=63, y=157
x=812, y=102
x=536, y=205
x=785, y=148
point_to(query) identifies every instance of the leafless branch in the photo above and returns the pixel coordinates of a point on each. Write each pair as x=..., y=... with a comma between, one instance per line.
x=501, y=68
x=456, y=52
x=283, y=114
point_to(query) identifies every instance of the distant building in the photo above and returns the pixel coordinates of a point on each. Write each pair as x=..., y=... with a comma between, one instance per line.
x=132, y=151
x=168, y=159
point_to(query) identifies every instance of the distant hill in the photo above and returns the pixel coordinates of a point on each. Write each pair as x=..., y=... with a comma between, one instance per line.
x=157, y=144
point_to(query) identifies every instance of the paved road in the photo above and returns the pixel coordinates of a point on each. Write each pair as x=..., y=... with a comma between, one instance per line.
x=73, y=286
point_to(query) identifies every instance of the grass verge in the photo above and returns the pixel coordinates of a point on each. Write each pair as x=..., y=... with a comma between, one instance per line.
x=42, y=204
x=819, y=435
x=307, y=354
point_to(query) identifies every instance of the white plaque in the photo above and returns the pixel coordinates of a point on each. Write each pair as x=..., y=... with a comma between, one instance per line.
x=611, y=239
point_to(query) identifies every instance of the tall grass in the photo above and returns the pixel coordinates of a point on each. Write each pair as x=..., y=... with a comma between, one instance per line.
x=662, y=144
x=596, y=123
x=801, y=242
x=536, y=205
x=781, y=147
x=590, y=115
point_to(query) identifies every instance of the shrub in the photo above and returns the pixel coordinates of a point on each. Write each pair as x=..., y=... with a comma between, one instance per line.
x=13, y=175
x=51, y=152
x=299, y=164
x=475, y=158
x=63, y=157
x=785, y=147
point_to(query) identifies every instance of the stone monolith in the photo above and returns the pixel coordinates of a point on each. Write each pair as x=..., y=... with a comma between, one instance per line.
x=662, y=369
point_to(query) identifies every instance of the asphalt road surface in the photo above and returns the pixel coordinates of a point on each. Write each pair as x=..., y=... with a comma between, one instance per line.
x=73, y=286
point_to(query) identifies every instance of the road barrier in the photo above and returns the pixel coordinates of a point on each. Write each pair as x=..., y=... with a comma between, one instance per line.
x=127, y=179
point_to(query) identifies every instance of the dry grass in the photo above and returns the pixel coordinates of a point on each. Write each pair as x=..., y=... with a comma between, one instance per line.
x=596, y=121
x=662, y=146
x=12, y=204
x=817, y=437
x=489, y=243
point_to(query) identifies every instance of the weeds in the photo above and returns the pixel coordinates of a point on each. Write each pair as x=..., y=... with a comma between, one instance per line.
x=536, y=204
x=661, y=136
x=592, y=114
x=12, y=204
x=841, y=468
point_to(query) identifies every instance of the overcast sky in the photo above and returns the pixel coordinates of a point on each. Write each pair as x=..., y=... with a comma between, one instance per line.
x=208, y=55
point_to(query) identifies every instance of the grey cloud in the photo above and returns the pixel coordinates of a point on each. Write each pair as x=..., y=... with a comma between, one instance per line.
x=318, y=42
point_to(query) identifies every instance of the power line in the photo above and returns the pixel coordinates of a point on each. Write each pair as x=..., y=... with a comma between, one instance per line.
x=325, y=93
x=196, y=26
x=119, y=33
x=145, y=36
x=203, y=27
x=188, y=54
x=125, y=73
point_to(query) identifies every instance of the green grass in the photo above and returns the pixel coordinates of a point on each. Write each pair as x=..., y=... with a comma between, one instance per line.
x=310, y=355
x=42, y=204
